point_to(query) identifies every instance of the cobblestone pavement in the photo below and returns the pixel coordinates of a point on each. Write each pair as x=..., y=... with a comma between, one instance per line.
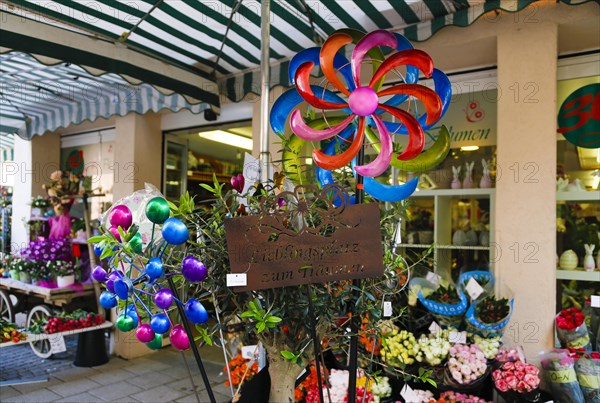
x=160, y=376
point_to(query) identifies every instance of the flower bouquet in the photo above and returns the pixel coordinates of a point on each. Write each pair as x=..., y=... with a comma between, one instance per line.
x=444, y=301
x=400, y=349
x=238, y=367
x=452, y=396
x=489, y=316
x=588, y=375
x=435, y=347
x=559, y=369
x=466, y=368
x=517, y=382
x=484, y=278
x=571, y=329
x=489, y=346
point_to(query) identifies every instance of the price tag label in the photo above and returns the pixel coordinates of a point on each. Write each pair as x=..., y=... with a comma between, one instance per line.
x=387, y=309
x=433, y=278
x=521, y=354
x=408, y=394
x=595, y=301
x=248, y=352
x=57, y=344
x=457, y=337
x=473, y=288
x=236, y=280
x=434, y=327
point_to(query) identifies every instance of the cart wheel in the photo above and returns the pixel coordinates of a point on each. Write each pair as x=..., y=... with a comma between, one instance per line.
x=7, y=311
x=40, y=348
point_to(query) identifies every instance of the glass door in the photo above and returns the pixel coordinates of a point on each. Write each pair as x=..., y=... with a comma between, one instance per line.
x=175, y=168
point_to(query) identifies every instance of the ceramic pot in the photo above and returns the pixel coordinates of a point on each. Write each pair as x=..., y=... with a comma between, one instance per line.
x=459, y=238
x=25, y=277
x=568, y=260
x=65, y=281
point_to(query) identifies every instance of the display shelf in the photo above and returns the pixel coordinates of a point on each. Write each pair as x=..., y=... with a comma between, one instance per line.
x=39, y=337
x=413, y=245
x=578, y=274
x=208, y=177
x=463, y=247
x=592, y=196
x=461, y=193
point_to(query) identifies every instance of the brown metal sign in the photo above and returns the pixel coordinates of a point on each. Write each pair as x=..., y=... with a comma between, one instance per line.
x=347, y=246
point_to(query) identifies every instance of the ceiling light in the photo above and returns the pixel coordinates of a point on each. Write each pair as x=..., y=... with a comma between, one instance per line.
x=221, y=136
x=469, y=148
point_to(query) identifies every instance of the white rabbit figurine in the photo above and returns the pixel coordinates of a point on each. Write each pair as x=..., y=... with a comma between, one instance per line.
x=486, y=181
x=588, y=261
x=562, y=184
x=456, y=181
x=468, y=181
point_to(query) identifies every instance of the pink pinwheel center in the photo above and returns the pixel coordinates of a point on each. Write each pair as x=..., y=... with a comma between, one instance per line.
x=363, y=101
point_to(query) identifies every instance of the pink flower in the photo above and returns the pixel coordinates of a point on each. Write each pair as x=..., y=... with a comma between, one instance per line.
x=497, y=374
x=457, y=375
x=532, y=380
x=502, y=385
x=519, y=366
x=523, y=387
x=520, y=374
x=56, y=175
x=511, y=381
x=532, y=369
x=509, y=365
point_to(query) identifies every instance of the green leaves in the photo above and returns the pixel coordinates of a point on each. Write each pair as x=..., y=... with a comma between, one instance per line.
x=291, y=357
x=186, y=205
x=204, y=335
x=264, y=320
x=425, y=376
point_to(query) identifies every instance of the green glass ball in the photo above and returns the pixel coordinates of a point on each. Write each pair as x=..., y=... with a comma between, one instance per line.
x=155, y=344
x=136, y=243
x=158, y=210
x=125, y=323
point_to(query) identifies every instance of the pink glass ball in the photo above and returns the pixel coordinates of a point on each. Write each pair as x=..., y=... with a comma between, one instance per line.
x=120, y=216
x=144, y=333
x=179, y=338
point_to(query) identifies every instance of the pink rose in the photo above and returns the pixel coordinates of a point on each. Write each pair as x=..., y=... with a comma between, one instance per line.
x=56, y=175
x=457, y=376
x=532, y=380
x=497, y=375
x=523, y=387
x=520, y=374
x=502, y=385
x=519, y=366
x=509, y=365
x=511, y=381
x=532, y=369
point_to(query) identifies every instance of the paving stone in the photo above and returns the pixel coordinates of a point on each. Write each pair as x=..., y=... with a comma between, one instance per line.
x=7, y=392
x=110, y=377
x=74, y=387
x=41, y=395
x=159, y=394
x=81, y=398
x=143, y=366
x=116, y=392
x=113, y=364
x=185, y=385
x=31, y=387
x=151, y=379
x=75, y=373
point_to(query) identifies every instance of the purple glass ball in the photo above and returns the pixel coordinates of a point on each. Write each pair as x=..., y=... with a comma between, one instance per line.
x=99, y=274
x=363, y=101
x=115, y=232
x=193, y=270
x=120, y=216
x=163, y=298
x=110, y=282
x=144, y=333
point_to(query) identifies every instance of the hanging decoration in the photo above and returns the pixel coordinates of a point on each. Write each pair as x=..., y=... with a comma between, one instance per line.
x=351, y=109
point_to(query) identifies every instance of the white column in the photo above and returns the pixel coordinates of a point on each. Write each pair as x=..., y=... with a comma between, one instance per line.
x=525, y=190
x=34, y=161
x=138, y=153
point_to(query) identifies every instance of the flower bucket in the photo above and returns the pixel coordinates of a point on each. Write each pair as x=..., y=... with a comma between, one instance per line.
x=25, y=277
x=14, y=275
x=65, y=281
x=487, y=329
x=449, y=315
x=484, y=278
x=47, y=283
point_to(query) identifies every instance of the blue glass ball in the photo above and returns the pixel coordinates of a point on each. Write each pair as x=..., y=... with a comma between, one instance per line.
x=132, y=313
x=195, y=312
x=160, y=323
x=174, y=231
x=123, y=288
x=108, y=300
x=98, y=250
x=154, y=268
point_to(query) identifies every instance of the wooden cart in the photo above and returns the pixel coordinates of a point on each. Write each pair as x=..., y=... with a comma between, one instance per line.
x=41, y=303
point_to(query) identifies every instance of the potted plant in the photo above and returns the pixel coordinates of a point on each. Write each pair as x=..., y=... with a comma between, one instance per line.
x=64, y=272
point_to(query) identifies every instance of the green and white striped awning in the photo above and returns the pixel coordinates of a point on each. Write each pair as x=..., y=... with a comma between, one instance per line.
x=36, y=98
x=202, y=49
